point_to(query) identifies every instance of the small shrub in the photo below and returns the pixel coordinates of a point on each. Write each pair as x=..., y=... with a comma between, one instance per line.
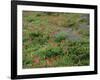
x=34, y=34
x=40, y=52
x=55, y=51
x=30, y=19
x=60, y=36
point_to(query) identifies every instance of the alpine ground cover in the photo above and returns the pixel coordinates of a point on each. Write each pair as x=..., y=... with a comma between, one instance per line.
x=53, y=39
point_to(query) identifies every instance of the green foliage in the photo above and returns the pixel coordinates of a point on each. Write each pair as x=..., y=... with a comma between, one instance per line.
x=54, y=51
x=27, y=59
x=30, y=19
x=38, y=37
x=79, y=51
x=60, y=36
x=35, y=34
x=84, y=32
x=37, y=21
x=48, y=51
